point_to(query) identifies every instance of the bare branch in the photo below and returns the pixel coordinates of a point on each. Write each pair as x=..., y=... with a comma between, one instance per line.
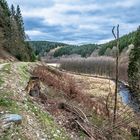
x=114, y=32
x=118, y=31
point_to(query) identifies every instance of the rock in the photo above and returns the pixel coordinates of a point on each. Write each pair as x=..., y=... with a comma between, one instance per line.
x=34, y=93
x=8, y=121
x=7, y=118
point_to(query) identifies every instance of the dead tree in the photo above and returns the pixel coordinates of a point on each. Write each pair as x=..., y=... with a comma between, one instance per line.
x=117, y=72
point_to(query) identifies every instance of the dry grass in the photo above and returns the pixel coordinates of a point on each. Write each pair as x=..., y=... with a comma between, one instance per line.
x=93, y=86
x=90, y=92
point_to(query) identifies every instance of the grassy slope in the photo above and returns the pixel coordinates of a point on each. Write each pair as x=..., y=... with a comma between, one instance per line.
x=36, y=123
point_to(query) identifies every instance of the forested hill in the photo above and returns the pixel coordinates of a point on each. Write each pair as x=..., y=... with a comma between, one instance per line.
x=98, y=49
x=40, y=47
x=125, y=41
x=83, y=50
x=12, y=35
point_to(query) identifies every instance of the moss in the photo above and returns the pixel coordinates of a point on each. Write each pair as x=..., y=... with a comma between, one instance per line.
x=13, y=134
x=3, y=71
x=6, y=68
x=1, y=81
x=5, y=102
x=23, y=71
x=9, y=105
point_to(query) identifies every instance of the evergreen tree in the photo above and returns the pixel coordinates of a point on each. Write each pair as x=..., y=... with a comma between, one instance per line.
x=12, y=35
x=15, y=38
x=13, y=12
x=5, y=21
x=134, y=65
x=1, y=37
x=20, y=23
x=4, y=5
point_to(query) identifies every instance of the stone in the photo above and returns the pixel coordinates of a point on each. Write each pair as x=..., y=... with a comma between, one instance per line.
x=8, y=121
x=7, y=118
x=34, y=93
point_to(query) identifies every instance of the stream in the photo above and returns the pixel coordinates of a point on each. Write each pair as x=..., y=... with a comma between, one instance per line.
x=127, y=97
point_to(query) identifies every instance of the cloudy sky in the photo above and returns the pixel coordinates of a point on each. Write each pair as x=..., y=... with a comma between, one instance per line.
x=78, y=21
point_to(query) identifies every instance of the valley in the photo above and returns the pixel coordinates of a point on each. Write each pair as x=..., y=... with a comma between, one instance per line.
x=69, y=70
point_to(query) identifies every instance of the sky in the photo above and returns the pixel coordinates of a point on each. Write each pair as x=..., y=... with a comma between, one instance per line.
x=78, y=21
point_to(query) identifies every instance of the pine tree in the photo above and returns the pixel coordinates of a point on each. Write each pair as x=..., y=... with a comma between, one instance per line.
x=20, y=23
x=1, y=37
x=134, y=65
x=4, y=5
x=15, y=38
x=13, y=12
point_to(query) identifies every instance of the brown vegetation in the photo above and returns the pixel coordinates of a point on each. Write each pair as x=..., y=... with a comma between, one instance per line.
x=74, y=91
x=67, y=84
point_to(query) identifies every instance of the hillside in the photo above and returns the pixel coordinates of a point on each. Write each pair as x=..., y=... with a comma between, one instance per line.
x=125, y=41
x=60, y=111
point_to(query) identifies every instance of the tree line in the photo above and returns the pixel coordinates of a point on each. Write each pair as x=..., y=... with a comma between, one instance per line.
x=12, y=34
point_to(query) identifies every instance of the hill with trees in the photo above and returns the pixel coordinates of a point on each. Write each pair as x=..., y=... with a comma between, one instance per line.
x=12, y=35
x=40, y=47
x=107, y=49
x=83, y=50
x=125, y=41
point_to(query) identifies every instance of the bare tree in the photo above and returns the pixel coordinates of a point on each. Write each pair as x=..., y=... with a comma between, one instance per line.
x=116, y=36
